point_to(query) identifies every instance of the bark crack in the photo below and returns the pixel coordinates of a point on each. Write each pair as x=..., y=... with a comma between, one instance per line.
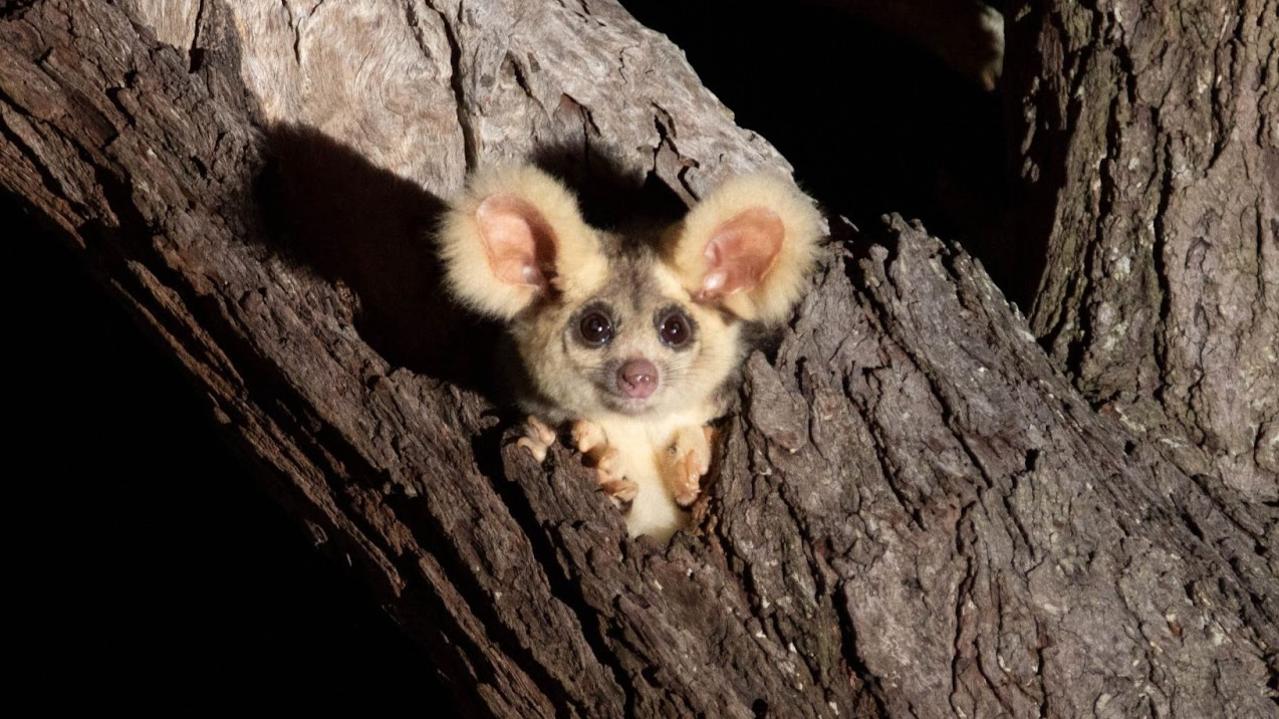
x=470, y=146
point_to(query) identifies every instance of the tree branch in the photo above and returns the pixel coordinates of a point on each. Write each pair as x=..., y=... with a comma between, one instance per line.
x=913, y=512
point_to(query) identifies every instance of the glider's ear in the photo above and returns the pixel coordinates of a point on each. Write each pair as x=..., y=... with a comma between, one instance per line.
x=747, y=247
x=516, y=235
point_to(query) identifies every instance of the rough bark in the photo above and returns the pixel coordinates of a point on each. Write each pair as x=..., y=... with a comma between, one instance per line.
x=1149, y=154
x=914, y=512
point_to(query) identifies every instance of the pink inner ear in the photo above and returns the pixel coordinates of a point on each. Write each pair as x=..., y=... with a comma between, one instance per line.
x=518, y=241
x=741, y=251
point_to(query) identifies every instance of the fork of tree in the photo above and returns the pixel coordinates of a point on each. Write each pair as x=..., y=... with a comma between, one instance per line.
x=927, y=505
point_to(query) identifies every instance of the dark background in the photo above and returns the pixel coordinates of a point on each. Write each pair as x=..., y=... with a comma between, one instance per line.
x=151, y=565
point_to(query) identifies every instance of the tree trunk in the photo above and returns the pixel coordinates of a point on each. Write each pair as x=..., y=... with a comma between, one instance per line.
x=914, y=513
x=1149, y=154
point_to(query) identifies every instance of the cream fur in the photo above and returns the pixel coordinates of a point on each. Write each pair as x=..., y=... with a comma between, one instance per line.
x=641, y=442
x=772, y=299
x=562, y=387
x=580, y=267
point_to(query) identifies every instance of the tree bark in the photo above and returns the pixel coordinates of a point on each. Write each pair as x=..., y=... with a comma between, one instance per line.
x=914, y=513
x=1149, y=155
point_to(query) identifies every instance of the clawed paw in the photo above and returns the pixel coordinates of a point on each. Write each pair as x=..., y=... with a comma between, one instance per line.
x=538, y=438
x=587, y=436
x=687, y=460
x=620, y=490
x=589, y=439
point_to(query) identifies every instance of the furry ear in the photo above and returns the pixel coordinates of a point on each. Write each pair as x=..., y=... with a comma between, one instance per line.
x=514, y=235
x=748, y=247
